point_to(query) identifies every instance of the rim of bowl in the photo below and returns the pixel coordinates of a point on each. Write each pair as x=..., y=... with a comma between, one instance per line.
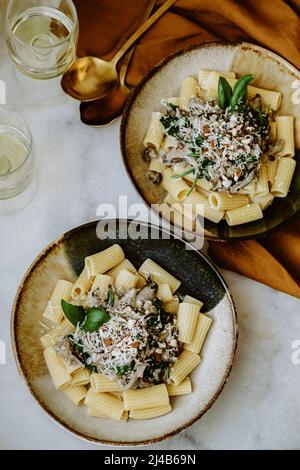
x=134, y=94
x=39, y=258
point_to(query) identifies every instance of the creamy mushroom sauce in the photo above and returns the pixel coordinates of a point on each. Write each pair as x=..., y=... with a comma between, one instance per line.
x=226, y=147
x=137, y=346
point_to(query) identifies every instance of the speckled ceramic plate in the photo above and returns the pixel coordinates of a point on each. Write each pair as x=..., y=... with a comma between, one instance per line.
x=164, y=80
x=64, y=259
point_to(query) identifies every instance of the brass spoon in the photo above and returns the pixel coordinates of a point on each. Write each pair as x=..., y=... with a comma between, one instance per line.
x=90, y=78
x=107, y=109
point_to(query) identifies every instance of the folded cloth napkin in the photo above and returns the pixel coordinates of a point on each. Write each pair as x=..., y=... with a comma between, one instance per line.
x=275, y=24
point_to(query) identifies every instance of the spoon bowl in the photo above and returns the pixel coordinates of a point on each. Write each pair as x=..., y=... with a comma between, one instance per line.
x=91, y=78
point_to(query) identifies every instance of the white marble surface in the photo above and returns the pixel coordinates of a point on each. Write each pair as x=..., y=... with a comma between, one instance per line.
x=78, y=168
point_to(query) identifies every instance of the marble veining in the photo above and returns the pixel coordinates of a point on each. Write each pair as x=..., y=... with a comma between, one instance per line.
x=77, y=169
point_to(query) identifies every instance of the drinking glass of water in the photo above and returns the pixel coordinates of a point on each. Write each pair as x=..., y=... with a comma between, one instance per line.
x=16, y=154
x=41, y=36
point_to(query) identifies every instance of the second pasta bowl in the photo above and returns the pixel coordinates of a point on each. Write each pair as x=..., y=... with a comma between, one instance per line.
x=215, y=128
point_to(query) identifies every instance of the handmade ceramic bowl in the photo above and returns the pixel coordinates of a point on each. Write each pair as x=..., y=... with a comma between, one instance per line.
x=64, y=259
x=165, y=79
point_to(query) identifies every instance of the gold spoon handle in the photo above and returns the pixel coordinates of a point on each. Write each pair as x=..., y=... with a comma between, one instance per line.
x=127, y=59
x=142, y=30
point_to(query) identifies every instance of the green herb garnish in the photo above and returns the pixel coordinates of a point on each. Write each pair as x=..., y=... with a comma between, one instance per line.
x=224, y=92
x=94, y=319
x=111, y=297
x=74, y=313
x=239, y=93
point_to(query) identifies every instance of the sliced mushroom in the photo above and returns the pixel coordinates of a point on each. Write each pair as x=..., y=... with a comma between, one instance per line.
x=154, y=177
x=146, y=293
x=149, y=154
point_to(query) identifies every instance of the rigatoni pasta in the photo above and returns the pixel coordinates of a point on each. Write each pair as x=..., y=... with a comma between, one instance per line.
x=57, y=369
x=285, y=131
x=53, y=311
x=242, y=215
x=150, y=413
x=122, y=348
x=283, y=177
x=184, y=388
x=155, y=133
x=202, y=328
x=221, y=150
x=105, y=260
x=189, y=89
x=142, y=399
x=82, y=284
x=158, y=274
x=187, y=320
x=184, y=366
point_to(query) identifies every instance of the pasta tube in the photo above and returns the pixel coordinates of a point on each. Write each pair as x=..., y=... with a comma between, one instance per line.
x=76, y=393
x=203, y=74
x=244, y=214
x=182, y=389
x=164, y=293
x=200, y=333
x=170, y=142
x=273, y=129
x=222, y=201
x=125, y=264
x=105, y=404
x=57, y=368
x=105, y=260
x=285, y=132
x=191, y=300
x=199, y=203
x=54, y=335
x=155, y=133
x=82, y=285
x=81, y=377
x=126, y=280
x=176, y=187
x=96, y=413
x=187, y=320
x=149, y=413
x=151, y=397
x=283, y=177
x=101, y=383
x=263, y=201
x=187, y=362
x=156, y=165
x=189, y=89
x=272, y=166
x=262, y=185
x=158, y=274
x=53, y=311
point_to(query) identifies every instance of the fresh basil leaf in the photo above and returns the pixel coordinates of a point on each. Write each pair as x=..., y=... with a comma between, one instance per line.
x=224, y=92
x=240, y=90
x=94, y=319
x=74, y=313
x=111, y=297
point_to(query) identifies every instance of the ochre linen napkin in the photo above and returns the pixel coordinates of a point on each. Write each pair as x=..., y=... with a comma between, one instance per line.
x=275, y=24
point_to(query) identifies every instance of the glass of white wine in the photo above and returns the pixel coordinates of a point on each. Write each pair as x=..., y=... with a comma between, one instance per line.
x=41, y=36
x=16, y=154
